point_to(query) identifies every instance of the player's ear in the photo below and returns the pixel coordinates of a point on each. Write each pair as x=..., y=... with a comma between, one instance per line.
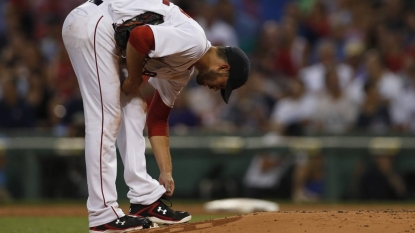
x=224, y=67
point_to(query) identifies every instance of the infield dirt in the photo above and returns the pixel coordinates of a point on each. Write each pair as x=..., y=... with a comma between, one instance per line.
x=375, y=221
x=292, y=218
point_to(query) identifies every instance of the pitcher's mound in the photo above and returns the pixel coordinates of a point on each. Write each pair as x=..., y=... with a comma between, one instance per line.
x=303, y=221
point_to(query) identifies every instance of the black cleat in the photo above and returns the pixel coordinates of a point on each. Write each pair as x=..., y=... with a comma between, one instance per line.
x=160, y=213
x=123, y=224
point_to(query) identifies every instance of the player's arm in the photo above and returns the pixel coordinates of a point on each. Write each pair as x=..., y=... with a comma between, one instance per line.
x=140, y=42
x=158, y=131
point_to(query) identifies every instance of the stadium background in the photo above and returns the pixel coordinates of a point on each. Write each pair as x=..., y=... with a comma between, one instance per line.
x=328, y=112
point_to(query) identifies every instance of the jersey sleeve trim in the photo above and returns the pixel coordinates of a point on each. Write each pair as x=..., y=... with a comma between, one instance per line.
x=142, y=39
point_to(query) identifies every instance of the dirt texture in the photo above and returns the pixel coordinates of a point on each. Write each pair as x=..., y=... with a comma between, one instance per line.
x=309, y=218
x=304, y=221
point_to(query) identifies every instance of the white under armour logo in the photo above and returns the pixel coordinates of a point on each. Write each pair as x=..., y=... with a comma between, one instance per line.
x=161, y=210
x=119, y=222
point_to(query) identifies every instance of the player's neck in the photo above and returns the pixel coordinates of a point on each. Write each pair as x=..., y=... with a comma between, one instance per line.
x=206, y=61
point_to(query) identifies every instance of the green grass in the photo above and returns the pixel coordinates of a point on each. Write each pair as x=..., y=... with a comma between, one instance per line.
x=61, y=224
x=67, y=224
x=43, y=224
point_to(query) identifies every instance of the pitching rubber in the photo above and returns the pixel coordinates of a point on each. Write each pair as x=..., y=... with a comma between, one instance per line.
x=162, y=221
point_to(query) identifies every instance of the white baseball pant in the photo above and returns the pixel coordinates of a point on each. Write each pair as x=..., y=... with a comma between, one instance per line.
x=110, y=116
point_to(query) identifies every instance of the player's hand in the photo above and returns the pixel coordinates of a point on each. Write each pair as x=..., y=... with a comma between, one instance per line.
x=130, y=87
x=167, y=181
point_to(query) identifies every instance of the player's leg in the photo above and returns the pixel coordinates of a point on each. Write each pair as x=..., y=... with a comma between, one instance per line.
x=87, y=35
x=145, y=192
x=131, y=144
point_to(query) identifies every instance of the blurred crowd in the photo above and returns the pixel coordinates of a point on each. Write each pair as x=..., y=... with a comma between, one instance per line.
x=318, y=66
x=302, y=176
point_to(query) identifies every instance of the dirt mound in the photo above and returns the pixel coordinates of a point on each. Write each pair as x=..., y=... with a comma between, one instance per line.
x=303, y=221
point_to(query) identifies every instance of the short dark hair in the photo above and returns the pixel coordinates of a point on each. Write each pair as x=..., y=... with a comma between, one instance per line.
x=221, y=53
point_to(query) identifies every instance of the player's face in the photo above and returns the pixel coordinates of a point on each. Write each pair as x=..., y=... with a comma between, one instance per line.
x=213, y=80
x=217, y=84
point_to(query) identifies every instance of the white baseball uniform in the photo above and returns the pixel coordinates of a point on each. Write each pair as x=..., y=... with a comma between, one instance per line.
x=111, y=116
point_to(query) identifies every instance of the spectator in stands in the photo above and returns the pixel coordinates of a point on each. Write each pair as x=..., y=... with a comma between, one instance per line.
x=393, y=49
x=314, y=76
x=354, y=56
x=317, y=24
x=274, y=175
x=341, y=12
x=50, y=42
x=76, y=125
x=15, y=112
x=269, y=175
x=353, y=51
x=27, y=62
x=294, y=50
x=217, y=184
x=335, y=112
x=292, y=11
x=31, y=57
x=389, y=85
x=226, y=12
x=404, y=108
x=268, y=87
x=251, y=110
x=378, y=178
x=297, y=108
x=248, y=19
x=19, y=18
x=217, y=31
x=38, y=96
x=374, y=113
x=61, y=76
x=281, y=49
x=73, y=119
x=309, y=179
x=410, y=32
x=181, y=116
x=393, y=10
x=298, y=175
x=267, y=46
x=208, y=106
x=12, y=52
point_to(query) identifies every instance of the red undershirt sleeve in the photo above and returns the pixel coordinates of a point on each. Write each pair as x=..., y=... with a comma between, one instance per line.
x=157, y=117
x=142, y=39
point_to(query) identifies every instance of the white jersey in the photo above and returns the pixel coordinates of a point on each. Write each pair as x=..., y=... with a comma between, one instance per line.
x=179, y=42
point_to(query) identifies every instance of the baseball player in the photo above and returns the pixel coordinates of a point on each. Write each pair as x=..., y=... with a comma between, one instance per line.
x=158, y=39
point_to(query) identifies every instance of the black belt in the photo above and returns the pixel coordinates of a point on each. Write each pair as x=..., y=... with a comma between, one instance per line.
x=96, y=2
